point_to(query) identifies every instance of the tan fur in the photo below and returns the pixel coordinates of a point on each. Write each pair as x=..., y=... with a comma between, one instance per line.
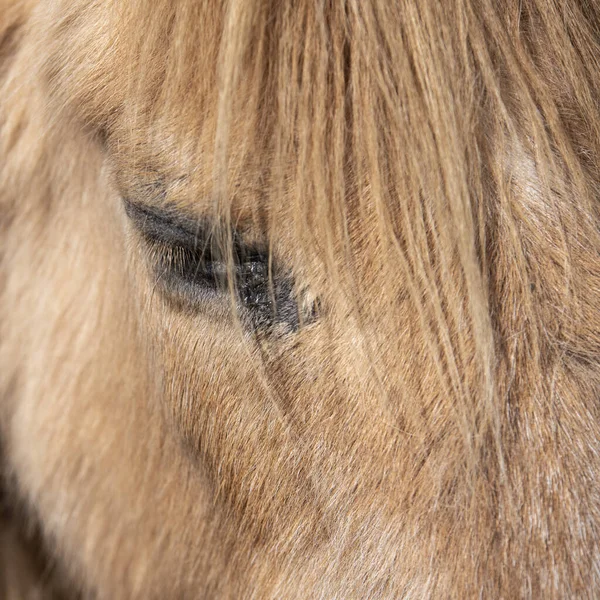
x=428, y=171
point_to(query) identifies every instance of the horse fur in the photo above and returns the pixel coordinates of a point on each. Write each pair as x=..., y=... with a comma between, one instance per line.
x=425, y=175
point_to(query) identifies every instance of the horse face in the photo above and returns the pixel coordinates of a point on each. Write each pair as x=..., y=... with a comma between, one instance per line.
x=279, y=320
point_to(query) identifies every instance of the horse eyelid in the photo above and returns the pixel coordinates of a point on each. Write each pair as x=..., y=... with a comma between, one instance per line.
x=179, y=246
x=165, y=226
x=188, y=259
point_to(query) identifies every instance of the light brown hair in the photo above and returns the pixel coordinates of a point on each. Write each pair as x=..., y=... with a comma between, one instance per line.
x=375, y=371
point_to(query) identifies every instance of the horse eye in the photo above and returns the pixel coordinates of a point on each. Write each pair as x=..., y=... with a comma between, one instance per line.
x=191, y=265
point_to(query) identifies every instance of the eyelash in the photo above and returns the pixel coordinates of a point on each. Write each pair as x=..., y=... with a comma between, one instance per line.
x=266, y=297
x=193, y=269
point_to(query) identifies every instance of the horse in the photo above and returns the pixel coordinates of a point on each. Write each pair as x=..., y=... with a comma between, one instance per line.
x=300, y=299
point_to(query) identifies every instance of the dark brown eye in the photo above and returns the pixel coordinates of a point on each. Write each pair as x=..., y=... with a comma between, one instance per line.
x=191, y=262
